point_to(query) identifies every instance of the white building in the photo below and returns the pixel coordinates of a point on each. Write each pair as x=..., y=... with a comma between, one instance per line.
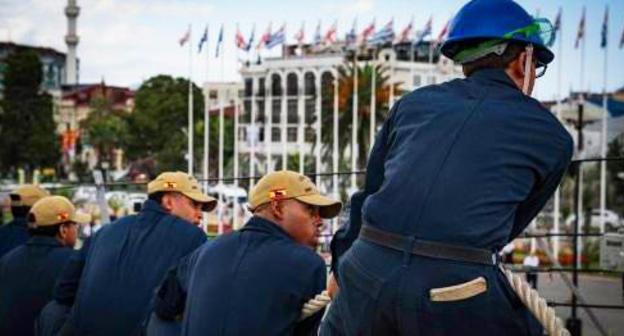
x=282, y=91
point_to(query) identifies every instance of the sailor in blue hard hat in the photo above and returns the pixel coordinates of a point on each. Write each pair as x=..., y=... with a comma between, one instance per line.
x=457, y=171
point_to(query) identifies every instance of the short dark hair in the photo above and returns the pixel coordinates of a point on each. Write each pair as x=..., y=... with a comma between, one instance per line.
x=20, y=211
x=47, y=231
x=157, y=196
x=493, y=61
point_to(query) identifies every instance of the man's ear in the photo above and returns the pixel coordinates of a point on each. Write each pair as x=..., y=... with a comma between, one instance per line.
x=167, y=202
x=278, y=209
x=62, y=232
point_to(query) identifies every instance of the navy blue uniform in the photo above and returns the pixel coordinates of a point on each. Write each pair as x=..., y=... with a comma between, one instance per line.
x=253, y=282
x=120, y=270
x=469, y=162
x=27, y=277
x=13, y=234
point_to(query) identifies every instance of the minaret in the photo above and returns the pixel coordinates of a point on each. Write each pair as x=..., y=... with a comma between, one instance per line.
x=71, y=39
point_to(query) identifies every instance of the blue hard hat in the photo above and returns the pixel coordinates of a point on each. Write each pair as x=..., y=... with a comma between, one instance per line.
x=498, y=21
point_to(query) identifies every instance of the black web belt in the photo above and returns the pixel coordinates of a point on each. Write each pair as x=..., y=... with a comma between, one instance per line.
x=428, y=248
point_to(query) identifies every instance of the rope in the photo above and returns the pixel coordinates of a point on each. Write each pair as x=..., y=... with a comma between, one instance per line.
x=536, y=304
x=315, y=305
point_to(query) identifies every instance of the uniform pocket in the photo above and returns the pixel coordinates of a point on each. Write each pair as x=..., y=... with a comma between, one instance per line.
x=459, y=292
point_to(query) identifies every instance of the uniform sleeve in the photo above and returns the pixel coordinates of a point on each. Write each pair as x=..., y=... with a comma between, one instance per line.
x=348, y=233
x=541, y=193
x=171, y=294
x=310, y=325
x=69, y=280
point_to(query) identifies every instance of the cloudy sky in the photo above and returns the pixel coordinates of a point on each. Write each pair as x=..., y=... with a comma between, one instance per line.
x=127, y=41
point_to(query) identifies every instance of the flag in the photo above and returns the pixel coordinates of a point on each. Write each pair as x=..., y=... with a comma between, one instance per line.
x=557, y=24
x=251, y=38
x=580, y=34
x=367, y=32
x=383, y=36
x=276, y=39
x=605, y=29
x=300, y=36
x=317, y=35
x=622, y=39
x=185, y=37
x=426, y=31
x=442, y=34
x=330, y=35
x=240, y=40
x=351, y=36
x=203, y=40
x=406, y=32
x=219, y=41
x=264, y=38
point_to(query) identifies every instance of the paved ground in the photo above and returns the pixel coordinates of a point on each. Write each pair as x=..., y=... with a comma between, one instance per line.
x=596, y=290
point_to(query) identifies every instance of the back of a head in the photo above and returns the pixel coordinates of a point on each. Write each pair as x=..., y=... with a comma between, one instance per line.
x=492, y=33
x=24, y=197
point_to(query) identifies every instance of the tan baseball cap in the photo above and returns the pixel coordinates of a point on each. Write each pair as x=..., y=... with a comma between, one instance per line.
x=286, y=184
x=184, y=184
x=27, y=195
x=53, y=210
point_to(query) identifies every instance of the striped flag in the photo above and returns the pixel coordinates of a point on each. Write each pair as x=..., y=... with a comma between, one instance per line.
x=351, y=36
x=557, y=24
x=405, y=34
x=219, y=41
x=367, y=32
x=300, y=36
x=264, y=38
x=203, y=40
x=278, y=38
x=622, y=39
x=317, y=35
x=185, y=37
x=442, y=34
x=330, y=35
x=384, y=35
x=580, y=33
x=251, y=38
x=239, y=39
x=426, y=31
x=605, y=29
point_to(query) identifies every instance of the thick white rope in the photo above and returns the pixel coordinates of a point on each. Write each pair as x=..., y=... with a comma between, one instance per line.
x=536, y=305
x=315, y=305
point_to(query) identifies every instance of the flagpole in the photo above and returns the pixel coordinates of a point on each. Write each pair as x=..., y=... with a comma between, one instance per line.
x=301, y=109
x=335, y=147
x=603, y=150
x=284, y=115
x=268, y=115
x=251, y=134
x=317, y=149
x=206, y=127
x=373, y=117
x=190, y=104
x=557, y=198
x=221, y=115
x=235, y=205
x=354, y=124
x=581, y=218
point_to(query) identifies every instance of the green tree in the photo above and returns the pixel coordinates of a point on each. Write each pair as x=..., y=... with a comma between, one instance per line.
x=27, y=127
x=345, y=108
x=105, y=128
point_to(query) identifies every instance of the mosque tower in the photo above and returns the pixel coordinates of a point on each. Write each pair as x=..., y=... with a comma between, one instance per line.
x=71, y=39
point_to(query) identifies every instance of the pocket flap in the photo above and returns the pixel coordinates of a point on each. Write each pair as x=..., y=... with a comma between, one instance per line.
x=459, y=292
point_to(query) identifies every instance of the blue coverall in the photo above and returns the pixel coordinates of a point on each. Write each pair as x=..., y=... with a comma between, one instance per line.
x=469, y=162
x=13, y=234
x=27, y=277
x=251, y=282
x=111, y=285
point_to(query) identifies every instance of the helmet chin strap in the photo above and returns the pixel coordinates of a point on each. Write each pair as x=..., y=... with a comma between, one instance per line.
x=527, y=69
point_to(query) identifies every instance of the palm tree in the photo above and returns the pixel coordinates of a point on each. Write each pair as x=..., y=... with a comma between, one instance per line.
x=345, y=108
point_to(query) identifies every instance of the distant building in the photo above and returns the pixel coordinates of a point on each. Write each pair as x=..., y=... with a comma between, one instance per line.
x=52, y=63
x=290, y=88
